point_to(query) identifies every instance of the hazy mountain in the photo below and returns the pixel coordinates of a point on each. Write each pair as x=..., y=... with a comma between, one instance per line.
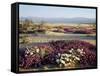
x=60, y=20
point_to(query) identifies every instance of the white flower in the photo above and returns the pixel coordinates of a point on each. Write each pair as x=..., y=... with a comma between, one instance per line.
x=37, y=50
x=27, y=52
x=31, y=53
x=71, y=50
x=67, y=55
x=62, y=57
x=59, y=54
x=57, y=60
x=67, y=59
x=77, y=58
x=82, y=49
x=79, y=50
x=70, y=60
x=63, y=62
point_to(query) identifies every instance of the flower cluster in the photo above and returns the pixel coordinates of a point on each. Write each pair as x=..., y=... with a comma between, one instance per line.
x=62, y=54
x=69, y=59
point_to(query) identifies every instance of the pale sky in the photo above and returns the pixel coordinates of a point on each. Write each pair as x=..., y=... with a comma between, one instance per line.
x=55, y=12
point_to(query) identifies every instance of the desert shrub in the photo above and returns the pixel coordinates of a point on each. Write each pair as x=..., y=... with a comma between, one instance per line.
x=63, y=47
x=80, y=53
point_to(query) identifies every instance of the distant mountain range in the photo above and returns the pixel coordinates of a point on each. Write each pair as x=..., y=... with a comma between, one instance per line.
x=60, y=20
